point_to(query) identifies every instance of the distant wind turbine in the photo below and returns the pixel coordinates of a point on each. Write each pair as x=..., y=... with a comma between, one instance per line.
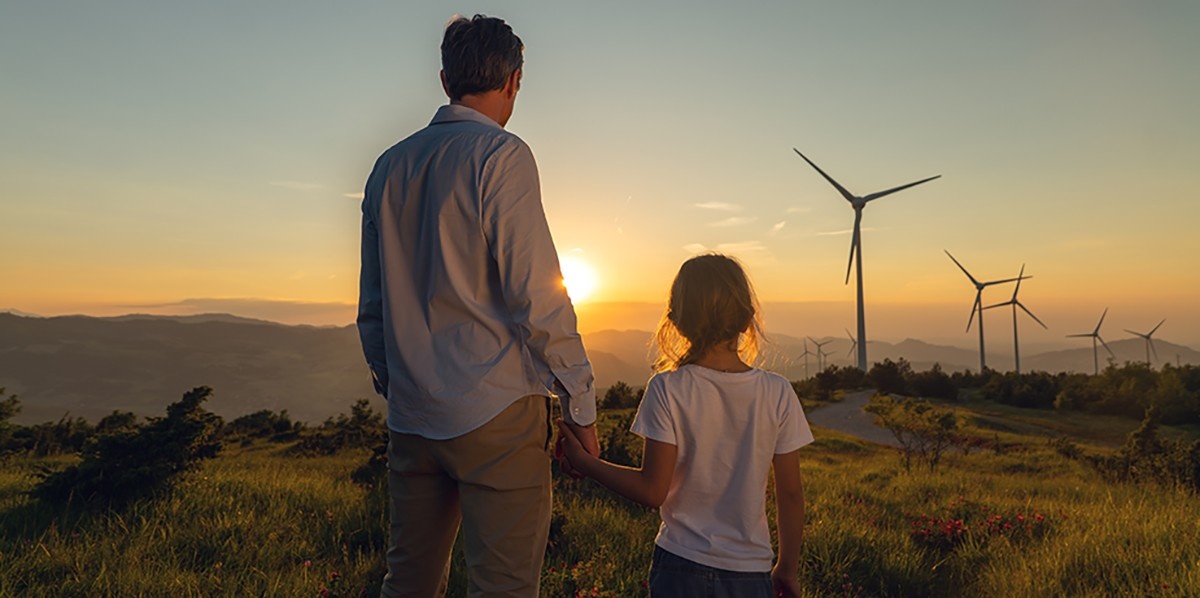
x=978, y=305
x=858, y=203
x=805, y=355
x=820, y=353
x=1149, y=341
x=1095, y=334
x=1015, y=303
x=853, y=343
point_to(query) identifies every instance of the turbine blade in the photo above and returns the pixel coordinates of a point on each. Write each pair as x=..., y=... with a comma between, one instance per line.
x=846, y=194
x=974, y=307
x=960, y=267
x=850, y=335
x=1009, y=302
x=1098, y=324
x=992, y=282
x=1105, y=346
x=853, y=243
x=879, y=194
x=1035, y=318
x=1079, y=335
x=1134, y=333
x=1156, y=328
x=1152, y=349
x=1020, y=277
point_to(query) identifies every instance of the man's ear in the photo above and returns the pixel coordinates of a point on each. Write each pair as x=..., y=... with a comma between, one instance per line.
x=513, y=85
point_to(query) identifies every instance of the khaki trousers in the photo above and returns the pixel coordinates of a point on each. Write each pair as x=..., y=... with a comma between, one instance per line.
x=495, y=482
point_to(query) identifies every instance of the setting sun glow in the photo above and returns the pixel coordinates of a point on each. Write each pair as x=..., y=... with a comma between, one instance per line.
x=579, y=278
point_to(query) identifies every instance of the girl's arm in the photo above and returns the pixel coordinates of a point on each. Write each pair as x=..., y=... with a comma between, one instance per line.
x=647, y=485
x=789, y=519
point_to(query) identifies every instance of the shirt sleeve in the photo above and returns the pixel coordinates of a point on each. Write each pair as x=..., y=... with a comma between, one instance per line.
x=793, y=426
x=654, y=419
x=370, y=300
x=520, y=242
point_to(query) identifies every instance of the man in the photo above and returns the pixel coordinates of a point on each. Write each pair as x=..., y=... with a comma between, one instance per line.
x=468, y=330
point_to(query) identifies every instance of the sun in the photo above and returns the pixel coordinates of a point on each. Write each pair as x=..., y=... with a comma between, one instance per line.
x=578, y=277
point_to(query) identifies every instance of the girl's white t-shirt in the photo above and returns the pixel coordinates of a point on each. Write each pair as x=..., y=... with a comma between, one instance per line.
x=726, y=428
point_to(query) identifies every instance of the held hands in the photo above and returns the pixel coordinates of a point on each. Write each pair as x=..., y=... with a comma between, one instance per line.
x=574, y=446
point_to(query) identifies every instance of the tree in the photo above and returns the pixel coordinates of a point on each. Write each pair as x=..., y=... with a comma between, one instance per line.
x=621, y=396
x=130, y=462
x=889, y=377
x=9, y=408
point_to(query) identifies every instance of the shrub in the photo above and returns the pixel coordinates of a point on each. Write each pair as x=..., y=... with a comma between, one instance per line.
x=363, y=428
x=621, y=396
x=129, y=463
x=924, y=432
x=890, y=377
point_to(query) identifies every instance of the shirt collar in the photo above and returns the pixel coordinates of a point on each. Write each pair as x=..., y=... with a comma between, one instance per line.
x=458, y=112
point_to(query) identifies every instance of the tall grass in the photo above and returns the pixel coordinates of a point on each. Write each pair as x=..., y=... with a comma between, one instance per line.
x=258, y=521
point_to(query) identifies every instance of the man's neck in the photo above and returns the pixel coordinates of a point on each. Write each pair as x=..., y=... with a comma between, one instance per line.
x=490, y=104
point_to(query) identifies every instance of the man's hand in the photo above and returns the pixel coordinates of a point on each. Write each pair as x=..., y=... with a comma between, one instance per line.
x=587, y=438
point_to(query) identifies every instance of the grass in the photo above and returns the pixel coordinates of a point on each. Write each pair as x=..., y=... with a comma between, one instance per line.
x=256, y=521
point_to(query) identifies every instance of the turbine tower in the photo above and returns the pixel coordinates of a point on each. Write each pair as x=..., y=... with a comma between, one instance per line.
x=1149, y=341
x=853, y=343
x=858, y=203
x=820, y=353
x=978, y=306
x=1015, y=303
x=1095, y=334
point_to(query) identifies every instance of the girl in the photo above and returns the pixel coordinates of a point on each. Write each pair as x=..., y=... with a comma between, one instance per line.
x=713, y=426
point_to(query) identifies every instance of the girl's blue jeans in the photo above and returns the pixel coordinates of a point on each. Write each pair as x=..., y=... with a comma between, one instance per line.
x=673, y=576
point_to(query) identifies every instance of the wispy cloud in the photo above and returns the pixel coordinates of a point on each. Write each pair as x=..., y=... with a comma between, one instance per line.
x=733, y=221
x=719, y=205
x=843, y=232
x=297, y=186
x=355, y=195
x=778, y=226
x=743, y=248
x=695, y=248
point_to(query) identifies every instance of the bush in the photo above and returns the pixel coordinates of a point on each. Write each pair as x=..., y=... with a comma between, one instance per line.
x=924, y=432
x=890, y=377
x=278, y=427
x=934, y=384
x=363, y=428
x=129, y=463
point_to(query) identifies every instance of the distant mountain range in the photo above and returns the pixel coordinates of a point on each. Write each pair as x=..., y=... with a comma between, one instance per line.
x=90, y=366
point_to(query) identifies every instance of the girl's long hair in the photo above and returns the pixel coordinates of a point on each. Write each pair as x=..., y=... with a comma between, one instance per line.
x=711, y=302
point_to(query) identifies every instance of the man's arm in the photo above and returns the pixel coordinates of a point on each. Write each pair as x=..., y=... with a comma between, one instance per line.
x=520, y=241
x=370, y=304
x=789, y=520
x=647, y=485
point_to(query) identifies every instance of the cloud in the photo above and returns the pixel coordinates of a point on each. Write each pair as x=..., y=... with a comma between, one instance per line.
x=844, y=232
x=695, y=248
x=355, y=195
x=297, y=186
x=329, y=313
x=733, y=221
x=718, y=205
x=778, y=226
x=743, y=248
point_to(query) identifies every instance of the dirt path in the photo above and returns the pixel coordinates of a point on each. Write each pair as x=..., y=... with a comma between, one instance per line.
x=848, y=416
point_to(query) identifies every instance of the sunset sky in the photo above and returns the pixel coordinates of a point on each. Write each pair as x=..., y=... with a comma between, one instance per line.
x=187, y=157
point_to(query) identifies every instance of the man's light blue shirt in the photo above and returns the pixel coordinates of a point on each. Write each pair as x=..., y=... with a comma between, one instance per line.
x=462, y=309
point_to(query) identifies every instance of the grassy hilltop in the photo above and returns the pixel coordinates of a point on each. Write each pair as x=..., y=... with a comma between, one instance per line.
x=1015, y=516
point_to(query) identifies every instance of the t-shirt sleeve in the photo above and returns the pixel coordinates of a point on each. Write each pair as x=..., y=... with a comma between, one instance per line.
x=654, y=419
x=793, y=426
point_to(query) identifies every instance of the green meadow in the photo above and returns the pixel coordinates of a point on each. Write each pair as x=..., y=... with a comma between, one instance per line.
x=1016, y=517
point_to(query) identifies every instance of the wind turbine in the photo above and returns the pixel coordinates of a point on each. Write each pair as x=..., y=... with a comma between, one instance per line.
x=1149, y=341
x=1015, y=303
x=858, y=203
x=1095, y=334
x=820, y=354
x=853, y=343
x=978, y=306
x=805, y=355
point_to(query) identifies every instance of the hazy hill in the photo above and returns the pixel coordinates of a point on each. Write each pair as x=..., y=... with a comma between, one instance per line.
x=91, y=366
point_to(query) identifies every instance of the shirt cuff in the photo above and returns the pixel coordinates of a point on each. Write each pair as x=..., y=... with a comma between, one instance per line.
x=579, y=410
